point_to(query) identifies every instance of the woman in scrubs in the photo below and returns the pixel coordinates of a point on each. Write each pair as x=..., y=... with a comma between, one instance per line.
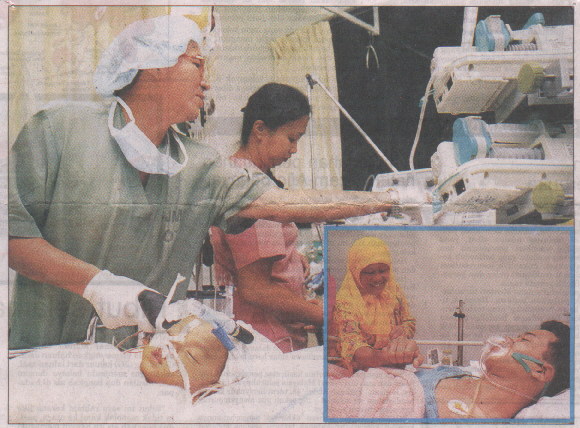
x=263, y=262
x=371, y=313
x=108, y=201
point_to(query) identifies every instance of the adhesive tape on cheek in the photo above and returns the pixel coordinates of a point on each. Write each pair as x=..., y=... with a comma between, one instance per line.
x=185, y=331
x=170, y=359
x=159, y=339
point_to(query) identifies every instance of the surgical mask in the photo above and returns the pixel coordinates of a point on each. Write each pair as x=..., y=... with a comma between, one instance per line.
x=139, y=150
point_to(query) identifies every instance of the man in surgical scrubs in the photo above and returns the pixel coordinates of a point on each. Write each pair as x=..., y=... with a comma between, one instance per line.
x=106, y=202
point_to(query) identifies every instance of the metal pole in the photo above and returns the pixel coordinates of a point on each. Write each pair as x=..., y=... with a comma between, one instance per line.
x=450, y=342
x=311, y=134
x=460, y=316
x=469, y=23
x=313, y=81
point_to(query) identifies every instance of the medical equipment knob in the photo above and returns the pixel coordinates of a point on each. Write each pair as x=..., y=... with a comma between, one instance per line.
x=530, y=78
x=243, y=335
x=471, y=139
x=547, y=196
x=491, y=35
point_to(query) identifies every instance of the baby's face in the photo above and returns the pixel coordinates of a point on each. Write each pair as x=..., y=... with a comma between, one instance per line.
x=202, y=354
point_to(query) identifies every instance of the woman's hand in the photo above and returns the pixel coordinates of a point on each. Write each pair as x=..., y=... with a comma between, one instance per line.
x=382, y=340
x=402, y=351
x=40, y=261
x=397, y=353
x=256, y=286
x=398, y=331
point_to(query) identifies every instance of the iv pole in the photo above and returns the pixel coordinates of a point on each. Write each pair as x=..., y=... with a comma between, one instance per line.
x=460, y=315
x=312, y=82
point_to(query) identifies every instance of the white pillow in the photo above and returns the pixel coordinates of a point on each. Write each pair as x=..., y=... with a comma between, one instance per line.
x=556, y=407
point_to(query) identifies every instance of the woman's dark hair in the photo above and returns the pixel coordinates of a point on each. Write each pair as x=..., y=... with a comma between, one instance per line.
x=275, y=104
x=558, y=354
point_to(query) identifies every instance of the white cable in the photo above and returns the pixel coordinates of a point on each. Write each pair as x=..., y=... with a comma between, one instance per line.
x=469, y=24
x=420, y=125
x=371, y=179
x=506, y=388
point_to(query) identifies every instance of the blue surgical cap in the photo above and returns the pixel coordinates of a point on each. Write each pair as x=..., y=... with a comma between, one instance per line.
x=150, y=43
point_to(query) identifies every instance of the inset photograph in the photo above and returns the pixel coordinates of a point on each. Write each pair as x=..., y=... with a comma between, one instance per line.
x=445, y=324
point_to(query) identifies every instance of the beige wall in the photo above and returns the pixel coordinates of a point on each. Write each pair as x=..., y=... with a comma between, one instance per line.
x=246, y=61
x=510, y=281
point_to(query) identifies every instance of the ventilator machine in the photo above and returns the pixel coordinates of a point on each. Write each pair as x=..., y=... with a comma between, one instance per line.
x=495, y=171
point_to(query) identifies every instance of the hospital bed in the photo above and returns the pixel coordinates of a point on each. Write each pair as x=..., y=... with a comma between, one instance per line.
x=408, y=391
x=96, y=383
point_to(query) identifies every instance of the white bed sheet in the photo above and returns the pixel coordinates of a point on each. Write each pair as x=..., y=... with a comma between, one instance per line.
x=97, y=384
x=557, y=407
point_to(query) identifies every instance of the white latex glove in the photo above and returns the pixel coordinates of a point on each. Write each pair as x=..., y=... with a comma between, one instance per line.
x=115, y=300
x=410, y=196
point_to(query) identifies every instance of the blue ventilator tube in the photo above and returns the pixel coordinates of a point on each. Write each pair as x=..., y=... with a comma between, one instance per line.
x=223, y=337
x=152, y=302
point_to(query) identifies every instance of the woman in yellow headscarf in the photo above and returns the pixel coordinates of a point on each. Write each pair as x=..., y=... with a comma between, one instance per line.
x=371, y=312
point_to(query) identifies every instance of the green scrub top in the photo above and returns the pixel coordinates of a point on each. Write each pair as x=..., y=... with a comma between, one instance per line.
x=70, y=184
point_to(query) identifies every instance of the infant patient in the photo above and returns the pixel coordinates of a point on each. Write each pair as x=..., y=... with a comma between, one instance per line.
x=198, y=356
x=97, y=383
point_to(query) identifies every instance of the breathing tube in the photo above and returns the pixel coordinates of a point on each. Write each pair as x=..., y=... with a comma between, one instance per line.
x=163, y=314
x=498, y=346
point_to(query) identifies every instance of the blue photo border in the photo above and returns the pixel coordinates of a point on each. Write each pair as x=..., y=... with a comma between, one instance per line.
x=569, y=229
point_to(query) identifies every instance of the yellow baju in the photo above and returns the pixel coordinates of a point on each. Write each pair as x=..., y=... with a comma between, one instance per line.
x=367, y=320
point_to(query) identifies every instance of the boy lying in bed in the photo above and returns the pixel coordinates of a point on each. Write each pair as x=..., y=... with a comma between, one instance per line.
x=515, y=374
x=97, y=383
